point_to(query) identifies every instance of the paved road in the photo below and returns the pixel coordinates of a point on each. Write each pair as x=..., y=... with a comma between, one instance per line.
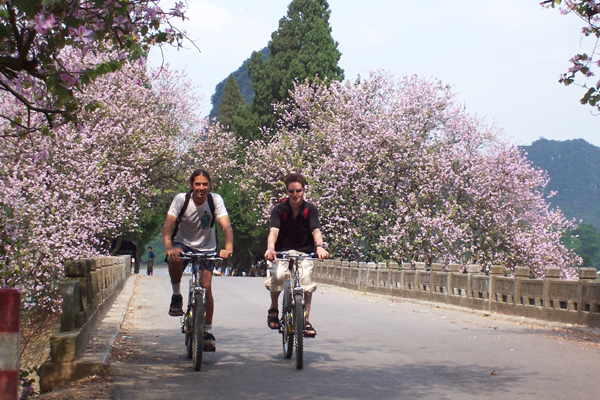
x=367, y=347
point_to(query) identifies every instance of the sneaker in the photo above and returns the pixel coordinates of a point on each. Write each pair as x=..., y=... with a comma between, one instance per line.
x=209, y=342
x=176, y=308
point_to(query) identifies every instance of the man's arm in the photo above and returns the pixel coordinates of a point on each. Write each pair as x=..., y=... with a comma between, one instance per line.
x=228, y=234
x=166, y=235
x=270, y=254
x=318, y=237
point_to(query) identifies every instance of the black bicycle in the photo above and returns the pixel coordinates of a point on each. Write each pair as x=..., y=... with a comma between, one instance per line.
x=193, y=322
x=293, y=317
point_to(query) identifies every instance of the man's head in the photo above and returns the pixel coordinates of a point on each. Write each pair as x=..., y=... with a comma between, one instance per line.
x=200, y=183
x=295, y=184
x=149, y=248
x=295, y=177
x=200, y=172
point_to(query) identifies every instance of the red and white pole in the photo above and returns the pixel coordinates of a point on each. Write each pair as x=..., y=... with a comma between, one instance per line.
x=10, y=325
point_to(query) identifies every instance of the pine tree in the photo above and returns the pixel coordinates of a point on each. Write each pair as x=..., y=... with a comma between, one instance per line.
x=231, y=101
x=301, y=49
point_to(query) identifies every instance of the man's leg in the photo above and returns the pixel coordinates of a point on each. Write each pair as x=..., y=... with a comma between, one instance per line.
x=275, y=284
x=275, y=300
x=307, y=267
x=209, y=338
x=206, y=282
x=175, y=272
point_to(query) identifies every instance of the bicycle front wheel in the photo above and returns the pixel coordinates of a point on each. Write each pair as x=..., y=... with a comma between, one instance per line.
x=199, y=321
x=189, y=333
x=299, y=322
x=287, y=332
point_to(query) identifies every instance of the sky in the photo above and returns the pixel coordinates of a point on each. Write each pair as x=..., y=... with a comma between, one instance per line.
x=502, y=58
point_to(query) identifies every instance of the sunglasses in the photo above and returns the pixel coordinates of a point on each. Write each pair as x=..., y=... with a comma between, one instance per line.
x=291, y=191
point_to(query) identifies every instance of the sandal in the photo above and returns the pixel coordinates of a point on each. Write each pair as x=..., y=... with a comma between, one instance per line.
x=309, y=331
x=273, y=322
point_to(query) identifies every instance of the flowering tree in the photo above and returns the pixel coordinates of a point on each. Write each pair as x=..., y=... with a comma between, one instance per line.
x=583, y=64
x=63, y=196
x=35, y=37
x=399, y=170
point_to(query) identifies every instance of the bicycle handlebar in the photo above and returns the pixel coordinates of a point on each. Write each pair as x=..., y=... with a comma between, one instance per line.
x=285, y=255
x=207, y=255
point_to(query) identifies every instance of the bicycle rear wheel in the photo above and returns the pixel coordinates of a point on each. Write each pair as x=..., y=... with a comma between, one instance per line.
x=199, y=321
x=299, y=322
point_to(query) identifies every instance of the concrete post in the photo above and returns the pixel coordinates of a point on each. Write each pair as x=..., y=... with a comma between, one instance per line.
x=362, y=275
x=472, y=269
x=419, y=266
x=405, y=266
x=383, y=275
x=552, y=274
x=436, y=270
x=452, y=269
x=586, y=275
x=10, y=326
x=495, y=272
x=520, y=274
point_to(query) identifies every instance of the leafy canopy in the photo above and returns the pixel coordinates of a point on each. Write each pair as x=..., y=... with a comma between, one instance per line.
x=34, y=36
x=301, y=49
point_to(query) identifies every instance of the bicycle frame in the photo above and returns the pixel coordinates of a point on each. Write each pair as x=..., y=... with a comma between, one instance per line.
x=293, y=314
x=193, y=322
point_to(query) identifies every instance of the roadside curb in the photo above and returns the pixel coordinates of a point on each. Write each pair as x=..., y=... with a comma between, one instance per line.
x=97, y=355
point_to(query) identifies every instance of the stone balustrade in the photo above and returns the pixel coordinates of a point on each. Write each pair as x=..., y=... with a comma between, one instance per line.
x=550, y=298
x=90, y=288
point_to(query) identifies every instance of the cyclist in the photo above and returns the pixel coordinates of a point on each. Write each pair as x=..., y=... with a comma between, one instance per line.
x=195, y=233
x=294, y=226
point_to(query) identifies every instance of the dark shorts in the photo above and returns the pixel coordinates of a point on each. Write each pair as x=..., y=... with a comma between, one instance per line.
x=208, y=266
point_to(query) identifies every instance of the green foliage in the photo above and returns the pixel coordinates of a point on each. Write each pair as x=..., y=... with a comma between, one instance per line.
x=232, y=100
x=246, y=124
x=585, y=241
x=574, y=170
x=250, y=237
x=302, y=49
x=244, y=83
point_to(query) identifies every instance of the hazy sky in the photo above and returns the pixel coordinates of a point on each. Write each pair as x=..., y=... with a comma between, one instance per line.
x=503, y=58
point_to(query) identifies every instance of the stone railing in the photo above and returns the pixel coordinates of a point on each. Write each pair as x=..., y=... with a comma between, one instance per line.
x=550, y=299
x=90, y=288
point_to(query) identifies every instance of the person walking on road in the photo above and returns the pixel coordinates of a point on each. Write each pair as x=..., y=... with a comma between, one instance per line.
x=151, y=257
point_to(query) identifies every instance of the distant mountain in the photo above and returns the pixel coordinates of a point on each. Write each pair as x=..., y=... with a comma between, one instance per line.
x=574, y=170
x=243, y=81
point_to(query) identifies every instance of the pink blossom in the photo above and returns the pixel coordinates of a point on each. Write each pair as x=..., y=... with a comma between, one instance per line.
x=43, y=24
x=81, y=34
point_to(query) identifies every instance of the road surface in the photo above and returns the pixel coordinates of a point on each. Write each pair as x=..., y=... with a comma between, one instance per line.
x=367, y=347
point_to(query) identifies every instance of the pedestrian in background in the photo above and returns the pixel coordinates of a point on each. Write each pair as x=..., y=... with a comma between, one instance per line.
x=151, y=257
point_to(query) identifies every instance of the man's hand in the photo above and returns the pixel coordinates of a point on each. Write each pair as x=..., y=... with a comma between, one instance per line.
x=225, y=253
x=173, y=254
x=271, y=255
x=322, y=253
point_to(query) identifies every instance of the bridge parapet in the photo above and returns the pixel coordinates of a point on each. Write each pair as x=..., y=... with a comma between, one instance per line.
x=90, y=288
x=549, y=298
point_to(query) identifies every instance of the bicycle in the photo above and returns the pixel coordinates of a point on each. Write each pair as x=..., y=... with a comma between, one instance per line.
x=292, y=324
x=193, y=321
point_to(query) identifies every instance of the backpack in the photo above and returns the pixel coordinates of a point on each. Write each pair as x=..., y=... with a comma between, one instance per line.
x=285, y=213
x=188, y=195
